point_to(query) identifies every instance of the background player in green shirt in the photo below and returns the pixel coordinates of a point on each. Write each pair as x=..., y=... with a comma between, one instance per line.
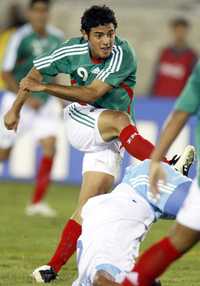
x=186, y=232
x=103, y=70
x=29, y=41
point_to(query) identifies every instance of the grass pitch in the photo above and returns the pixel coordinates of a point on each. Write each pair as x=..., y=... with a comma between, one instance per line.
x=28, y=242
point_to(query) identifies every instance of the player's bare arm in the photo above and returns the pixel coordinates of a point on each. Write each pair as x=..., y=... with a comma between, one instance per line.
x=11, y=118
x=172, y=128
x=87, y=94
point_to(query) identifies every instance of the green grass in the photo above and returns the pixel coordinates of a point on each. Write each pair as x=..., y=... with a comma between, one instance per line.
x=28, y=242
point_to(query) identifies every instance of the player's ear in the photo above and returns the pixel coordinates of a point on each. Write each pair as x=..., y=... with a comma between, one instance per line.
x=85, y=35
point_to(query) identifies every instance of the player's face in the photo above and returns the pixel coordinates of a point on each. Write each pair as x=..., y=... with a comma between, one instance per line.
x=38, y=15
x=101, y=40
x=180, y=34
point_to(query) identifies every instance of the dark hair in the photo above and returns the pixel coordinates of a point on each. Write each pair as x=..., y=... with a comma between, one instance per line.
x=33, y=2
x=15, y=16
x=96, y=16
x=180, y=22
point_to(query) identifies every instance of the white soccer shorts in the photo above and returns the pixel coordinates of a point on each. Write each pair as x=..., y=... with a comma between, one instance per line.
x=113, y=227
x=83, y=134
x=42, y=123
x=189, y=214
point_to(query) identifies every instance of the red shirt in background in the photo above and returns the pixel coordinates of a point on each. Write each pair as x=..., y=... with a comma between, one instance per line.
x=174, y=68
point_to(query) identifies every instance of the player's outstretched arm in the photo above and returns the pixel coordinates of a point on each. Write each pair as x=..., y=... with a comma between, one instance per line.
x=11, y=118
x=172, y=128
x=87, y=94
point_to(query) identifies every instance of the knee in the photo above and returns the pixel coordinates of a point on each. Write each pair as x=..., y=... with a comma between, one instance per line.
x=49, y=146
x=120, y=121
x=111, y=123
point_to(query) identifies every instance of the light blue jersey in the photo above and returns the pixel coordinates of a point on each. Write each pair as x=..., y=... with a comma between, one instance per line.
x=114, y=224
x=172, y=194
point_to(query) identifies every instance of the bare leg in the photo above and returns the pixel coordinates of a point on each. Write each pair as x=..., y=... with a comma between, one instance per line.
x=102, y=184
x=72, y=230
x=117, y=124
x=111, y=123
x=183, y=238
x=48, y=146
x=4, y=154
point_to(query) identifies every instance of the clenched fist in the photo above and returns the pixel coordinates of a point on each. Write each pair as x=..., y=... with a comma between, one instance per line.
x=11, y=120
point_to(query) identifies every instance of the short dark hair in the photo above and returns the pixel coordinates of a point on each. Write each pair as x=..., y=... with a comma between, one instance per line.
x=180, y=21
x=33, y=2
x=96, y=16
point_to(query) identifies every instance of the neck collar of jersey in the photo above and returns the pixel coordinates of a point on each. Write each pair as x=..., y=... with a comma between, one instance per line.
x=96, y=61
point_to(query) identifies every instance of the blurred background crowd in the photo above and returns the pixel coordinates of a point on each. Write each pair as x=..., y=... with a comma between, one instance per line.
x=149, y=25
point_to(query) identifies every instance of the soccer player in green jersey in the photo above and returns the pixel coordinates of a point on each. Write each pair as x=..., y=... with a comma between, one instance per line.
x=186, y=232
x=100, y=120
x=29, y=41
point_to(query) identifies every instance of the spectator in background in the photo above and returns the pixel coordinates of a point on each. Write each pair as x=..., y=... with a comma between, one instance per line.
x=175, y=63
x=40, y=117
x=15, y=19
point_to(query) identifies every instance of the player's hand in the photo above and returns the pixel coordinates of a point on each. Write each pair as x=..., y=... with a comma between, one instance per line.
x=156, y=174
x=11, y=120
x=31, y=85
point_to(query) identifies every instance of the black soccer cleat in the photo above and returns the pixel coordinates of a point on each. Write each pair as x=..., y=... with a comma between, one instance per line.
x=174, y=160
x=44, y=274
x=157, y=283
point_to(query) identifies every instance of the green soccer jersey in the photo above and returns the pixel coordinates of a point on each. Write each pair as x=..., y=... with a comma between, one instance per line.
x=118, y=70
x=24, y=46
x=189, y=101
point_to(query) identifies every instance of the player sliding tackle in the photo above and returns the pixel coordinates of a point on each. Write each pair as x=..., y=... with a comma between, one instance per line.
x=115, y=224
x=186, y=231
x=103, y=68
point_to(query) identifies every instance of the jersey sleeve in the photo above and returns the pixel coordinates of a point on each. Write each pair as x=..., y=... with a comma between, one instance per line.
x=122, y=64
x=189, y=101
x=175, y=200
x=54, y=62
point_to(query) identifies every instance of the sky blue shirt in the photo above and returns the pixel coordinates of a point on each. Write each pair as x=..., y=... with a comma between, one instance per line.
x=172, y=194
